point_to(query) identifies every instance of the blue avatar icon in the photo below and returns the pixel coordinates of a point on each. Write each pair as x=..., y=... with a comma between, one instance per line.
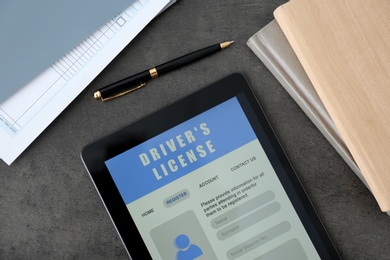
x=187, y=251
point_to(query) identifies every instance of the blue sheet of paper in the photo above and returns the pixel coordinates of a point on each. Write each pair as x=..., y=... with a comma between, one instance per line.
x=35, y=34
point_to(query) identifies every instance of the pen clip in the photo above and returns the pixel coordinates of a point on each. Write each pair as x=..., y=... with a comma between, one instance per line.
x=125, y=92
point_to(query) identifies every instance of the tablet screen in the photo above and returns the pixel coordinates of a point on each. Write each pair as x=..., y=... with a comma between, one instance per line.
x=209, y=188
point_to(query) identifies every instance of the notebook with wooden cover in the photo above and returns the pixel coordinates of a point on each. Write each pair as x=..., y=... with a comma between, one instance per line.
x=344, y=47
x=273, y=49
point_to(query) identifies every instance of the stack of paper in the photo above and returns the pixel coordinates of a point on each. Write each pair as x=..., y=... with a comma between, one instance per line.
x=344, y=49
x=28, y=112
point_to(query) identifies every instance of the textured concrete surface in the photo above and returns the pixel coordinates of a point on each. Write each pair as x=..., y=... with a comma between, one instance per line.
x=49, y=208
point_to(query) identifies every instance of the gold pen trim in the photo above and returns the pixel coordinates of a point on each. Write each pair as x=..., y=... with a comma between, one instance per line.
x=153, y=73
x=98, y=95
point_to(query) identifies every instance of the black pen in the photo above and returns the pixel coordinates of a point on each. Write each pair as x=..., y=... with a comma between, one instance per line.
x=137, y=81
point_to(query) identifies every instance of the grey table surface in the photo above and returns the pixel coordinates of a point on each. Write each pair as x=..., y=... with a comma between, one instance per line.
x=49, y=208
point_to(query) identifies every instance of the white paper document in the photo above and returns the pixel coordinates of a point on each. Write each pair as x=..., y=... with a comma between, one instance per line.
x=27, y=113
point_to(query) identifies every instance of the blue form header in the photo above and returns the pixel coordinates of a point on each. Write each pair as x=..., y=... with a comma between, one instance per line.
x=180, y=150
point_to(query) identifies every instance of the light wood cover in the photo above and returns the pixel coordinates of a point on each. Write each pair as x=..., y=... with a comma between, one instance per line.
x=344, y=47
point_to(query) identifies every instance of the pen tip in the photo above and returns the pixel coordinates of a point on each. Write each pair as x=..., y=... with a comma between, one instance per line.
x=226, y=44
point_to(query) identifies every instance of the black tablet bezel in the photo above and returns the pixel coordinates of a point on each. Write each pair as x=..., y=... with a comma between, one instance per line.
x=235, y=85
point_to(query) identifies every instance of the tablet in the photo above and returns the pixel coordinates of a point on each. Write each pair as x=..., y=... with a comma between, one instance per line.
x=206, y=178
